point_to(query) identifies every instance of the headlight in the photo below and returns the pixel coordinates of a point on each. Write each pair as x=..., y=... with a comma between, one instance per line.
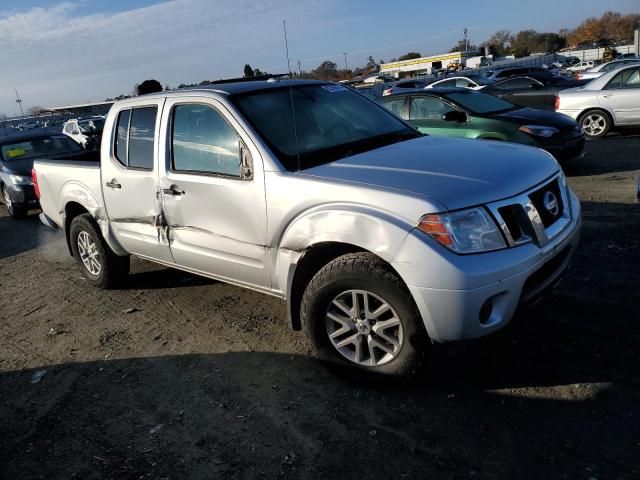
x=539, y=130
x=21, y=180
x=466, y=231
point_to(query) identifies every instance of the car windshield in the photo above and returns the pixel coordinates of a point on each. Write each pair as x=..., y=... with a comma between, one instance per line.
x=308, y=125
x=39, y=147
x=478, y=102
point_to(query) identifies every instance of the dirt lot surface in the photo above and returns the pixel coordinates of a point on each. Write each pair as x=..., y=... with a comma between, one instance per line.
x=181, y=377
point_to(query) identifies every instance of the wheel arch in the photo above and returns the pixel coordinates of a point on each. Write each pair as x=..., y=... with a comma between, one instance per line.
x=603, y=109
x=316, y=237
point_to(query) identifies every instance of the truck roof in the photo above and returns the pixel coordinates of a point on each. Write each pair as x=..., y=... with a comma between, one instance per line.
x=232, y=88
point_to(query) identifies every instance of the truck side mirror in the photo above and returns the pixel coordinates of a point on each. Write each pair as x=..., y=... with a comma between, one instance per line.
x=246, y=162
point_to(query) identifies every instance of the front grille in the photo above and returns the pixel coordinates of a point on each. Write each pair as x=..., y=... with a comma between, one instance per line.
x=535, y=216
x=541, y=200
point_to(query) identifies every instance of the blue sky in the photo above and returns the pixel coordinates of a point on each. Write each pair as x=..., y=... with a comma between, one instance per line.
x=62, y=52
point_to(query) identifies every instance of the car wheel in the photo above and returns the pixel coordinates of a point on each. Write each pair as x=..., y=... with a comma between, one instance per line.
x=362, y=320
x=99, y=264
x=14, y=211
x=595, y=123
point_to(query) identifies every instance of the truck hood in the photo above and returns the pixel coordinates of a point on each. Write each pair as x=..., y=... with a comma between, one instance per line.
x=458, y=173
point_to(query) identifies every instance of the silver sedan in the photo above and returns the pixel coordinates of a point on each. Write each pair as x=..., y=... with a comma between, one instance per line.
x=612, y=100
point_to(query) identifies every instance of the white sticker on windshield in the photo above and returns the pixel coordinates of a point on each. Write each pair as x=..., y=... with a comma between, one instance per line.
x=334, y=88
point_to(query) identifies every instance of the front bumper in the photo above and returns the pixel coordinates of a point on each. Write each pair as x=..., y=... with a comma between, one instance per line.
x=452, y=291
x=566, y=149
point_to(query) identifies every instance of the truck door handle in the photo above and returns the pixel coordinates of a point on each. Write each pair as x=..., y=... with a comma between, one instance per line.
x=173, y=190
x=113, y=184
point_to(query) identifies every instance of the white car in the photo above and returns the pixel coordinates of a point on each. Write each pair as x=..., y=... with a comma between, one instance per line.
x=461, y=82
x=582, y=66
x=608, y=101
x=603, y=68
x=85, y=132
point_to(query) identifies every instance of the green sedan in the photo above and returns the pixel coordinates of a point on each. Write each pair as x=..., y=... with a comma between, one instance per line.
x=459, y=112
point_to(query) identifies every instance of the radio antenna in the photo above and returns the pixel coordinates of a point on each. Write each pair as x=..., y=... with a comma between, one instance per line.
x=286, y=46
x=293, y=109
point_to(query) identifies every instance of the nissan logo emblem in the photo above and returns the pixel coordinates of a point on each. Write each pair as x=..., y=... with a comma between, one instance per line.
x=550, y=203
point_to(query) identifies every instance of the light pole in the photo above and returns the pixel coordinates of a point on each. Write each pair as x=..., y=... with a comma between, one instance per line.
x=19, y=102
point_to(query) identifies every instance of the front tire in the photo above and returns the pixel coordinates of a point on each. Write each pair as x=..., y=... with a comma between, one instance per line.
x=14, y=211
x=595, y=123
x=98, y=263
x=362, y=320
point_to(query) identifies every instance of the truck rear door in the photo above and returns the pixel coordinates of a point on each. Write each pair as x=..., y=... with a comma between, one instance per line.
x=130, y=179
x=215, y=211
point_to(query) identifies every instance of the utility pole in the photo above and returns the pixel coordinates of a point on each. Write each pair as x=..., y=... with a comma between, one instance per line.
x=299, y=67
x=19, y=102
x=346, y=67
x=466, y=40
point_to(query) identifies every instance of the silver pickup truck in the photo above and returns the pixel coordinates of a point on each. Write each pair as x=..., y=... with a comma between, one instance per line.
x=380, y=239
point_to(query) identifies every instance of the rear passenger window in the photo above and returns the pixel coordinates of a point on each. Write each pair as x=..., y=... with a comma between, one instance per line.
x=203, y=142
x=122, y=134
x=135, y=137
x=141, y=137
x=395, y=106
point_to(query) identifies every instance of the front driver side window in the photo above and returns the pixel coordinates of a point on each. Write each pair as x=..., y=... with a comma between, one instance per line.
x=204, y=142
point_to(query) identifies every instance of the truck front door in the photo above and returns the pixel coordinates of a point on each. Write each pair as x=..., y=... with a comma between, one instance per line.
x=215, y=209
x=130, y=180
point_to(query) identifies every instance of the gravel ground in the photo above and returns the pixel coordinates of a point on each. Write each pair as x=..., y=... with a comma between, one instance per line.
x=177, y=376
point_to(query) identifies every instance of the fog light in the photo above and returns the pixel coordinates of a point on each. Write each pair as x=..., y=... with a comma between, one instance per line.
x=485, y=311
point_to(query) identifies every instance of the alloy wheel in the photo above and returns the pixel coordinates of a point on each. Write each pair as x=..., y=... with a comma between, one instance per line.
x=594, y=124
x=7, y=199
x=364, y=328
x=89, y=253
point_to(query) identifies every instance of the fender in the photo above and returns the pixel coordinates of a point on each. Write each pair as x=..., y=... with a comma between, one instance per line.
x=356, y=225
x=74, y=191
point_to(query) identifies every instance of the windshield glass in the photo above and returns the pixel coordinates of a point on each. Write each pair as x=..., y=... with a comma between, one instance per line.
x=478, y=102
x=40, y=147
x=308, y=125
x=96, y=125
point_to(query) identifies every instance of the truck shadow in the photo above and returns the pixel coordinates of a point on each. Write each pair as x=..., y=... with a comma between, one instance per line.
x=244, y=414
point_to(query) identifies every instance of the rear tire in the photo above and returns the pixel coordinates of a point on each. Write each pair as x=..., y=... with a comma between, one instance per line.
x=595, y=123
x=15, y=211
x=362, y=320
x=98, y=263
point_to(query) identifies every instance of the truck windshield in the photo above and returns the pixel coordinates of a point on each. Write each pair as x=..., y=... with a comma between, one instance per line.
x=308, y=125
x=38, y=147
x=478, y=102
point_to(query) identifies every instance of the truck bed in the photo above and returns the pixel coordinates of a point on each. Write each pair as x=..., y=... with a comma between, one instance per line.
x=63, y=178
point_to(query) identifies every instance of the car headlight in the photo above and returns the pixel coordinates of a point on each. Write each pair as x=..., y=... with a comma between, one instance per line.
x=539, y=130
x=466, y=231
x=21, y=180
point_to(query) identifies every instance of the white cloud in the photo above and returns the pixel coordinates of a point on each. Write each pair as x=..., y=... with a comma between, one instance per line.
x=59, y=55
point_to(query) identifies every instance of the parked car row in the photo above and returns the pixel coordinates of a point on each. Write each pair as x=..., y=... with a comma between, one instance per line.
x=618, y=106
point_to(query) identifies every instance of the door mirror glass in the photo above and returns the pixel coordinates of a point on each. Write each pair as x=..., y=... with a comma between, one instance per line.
x=454, y=116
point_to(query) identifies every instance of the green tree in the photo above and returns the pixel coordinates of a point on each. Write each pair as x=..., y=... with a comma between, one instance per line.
x=409, y=56
x=327, y=70
x=461, y=46
x=500, y=41
x=248, y=71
